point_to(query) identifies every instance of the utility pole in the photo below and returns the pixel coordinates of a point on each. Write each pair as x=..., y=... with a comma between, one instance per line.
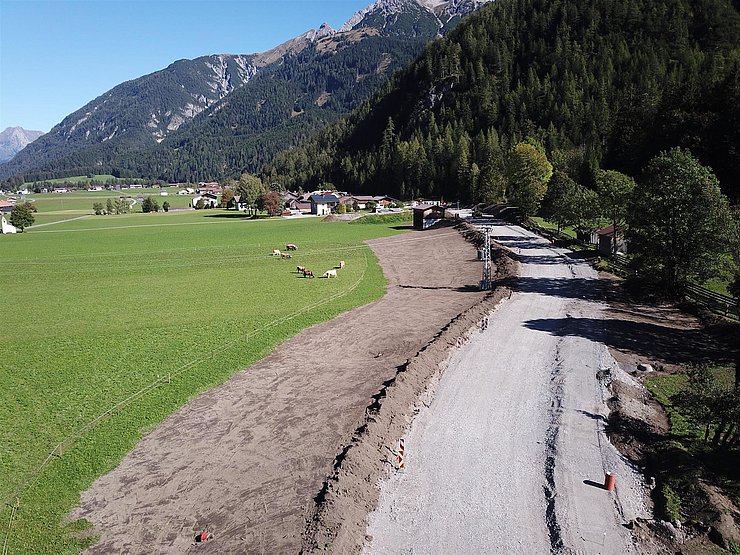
x=485, y=283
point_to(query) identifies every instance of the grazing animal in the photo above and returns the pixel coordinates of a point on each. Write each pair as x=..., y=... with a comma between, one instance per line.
x=285, y=255
x=276, y=252
x=330, y=274
x=300, y=269
x=307, y=273
x=291, y=247
x=341, y=264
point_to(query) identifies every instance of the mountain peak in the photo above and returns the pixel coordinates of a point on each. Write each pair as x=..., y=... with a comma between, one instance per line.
x=14, y=139
x=444, y=10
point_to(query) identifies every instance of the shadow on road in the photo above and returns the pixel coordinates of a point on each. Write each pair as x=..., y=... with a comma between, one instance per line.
x=670, y=345
x=570, y=288
x=516, y=241
x=594, y=484
x=539, y=259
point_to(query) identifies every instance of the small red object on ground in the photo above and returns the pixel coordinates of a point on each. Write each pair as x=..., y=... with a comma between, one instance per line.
x=610, y=480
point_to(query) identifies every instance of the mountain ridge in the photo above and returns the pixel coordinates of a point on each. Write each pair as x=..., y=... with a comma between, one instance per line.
x=133, y=117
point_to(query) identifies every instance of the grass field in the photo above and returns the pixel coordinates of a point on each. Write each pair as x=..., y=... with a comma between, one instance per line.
x=98, y=309
x=81, y=202
x=82, y=180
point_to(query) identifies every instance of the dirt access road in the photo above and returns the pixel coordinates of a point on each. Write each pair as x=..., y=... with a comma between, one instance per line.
x=246, y=459
x=510, y=455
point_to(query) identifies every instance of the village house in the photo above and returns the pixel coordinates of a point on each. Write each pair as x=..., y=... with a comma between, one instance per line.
x=302, y=206
x=209, y=200
x=322, y=205
x=6, y=206
x=288, y=196
x=211, y=187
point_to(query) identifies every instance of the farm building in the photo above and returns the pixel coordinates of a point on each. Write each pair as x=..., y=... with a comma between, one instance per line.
x=6, y=206
x=603, y=239
x=426, y=215
x=322, y=205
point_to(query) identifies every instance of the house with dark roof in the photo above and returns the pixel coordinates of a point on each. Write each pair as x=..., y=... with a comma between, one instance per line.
x=301, y=206
x=322, y=205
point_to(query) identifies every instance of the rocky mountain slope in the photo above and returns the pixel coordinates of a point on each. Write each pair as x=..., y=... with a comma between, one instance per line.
x=222, y=114
x=14, y=139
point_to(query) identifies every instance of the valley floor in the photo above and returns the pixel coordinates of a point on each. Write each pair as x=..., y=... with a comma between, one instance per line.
x=246, y=459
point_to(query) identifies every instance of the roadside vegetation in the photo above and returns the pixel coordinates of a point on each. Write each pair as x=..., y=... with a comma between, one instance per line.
x=703, y=405
x=101, y=309
x=385, y=219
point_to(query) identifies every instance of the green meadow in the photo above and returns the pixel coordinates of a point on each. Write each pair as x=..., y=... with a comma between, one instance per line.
x=113, y=322
x=76, y=203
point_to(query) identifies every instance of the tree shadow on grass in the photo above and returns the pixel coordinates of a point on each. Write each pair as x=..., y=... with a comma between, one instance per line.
x=234, y=216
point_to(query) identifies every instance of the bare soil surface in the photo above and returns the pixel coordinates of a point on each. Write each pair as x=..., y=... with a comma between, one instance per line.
x=249, y=460
x=661, y=335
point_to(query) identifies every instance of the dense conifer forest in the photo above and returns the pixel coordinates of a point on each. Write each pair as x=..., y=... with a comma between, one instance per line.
x=597, y=83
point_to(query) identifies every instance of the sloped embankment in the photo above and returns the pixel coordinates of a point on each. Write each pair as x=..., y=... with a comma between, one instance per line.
x=338, y=521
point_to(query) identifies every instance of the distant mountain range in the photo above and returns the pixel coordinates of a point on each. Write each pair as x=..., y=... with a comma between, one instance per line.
x=220, y=115
x=14, y=139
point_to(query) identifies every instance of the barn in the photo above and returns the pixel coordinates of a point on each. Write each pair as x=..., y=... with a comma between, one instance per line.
x=426, y=215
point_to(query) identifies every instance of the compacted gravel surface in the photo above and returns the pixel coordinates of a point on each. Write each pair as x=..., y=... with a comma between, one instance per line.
x=511, y=454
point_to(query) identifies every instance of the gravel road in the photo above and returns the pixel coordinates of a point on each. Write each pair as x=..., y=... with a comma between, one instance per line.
x=510, y=455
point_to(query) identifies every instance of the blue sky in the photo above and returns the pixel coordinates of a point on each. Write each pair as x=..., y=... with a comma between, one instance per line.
x=55, y=56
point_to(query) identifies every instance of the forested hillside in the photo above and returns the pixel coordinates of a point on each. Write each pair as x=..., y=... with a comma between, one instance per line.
x=132, y=116
x=599, y=83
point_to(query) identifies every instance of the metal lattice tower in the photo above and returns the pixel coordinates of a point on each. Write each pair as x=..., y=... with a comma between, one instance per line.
x=485, y=283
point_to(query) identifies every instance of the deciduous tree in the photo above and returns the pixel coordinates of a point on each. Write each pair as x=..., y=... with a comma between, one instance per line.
x=528, y=172
x=149, y=205
x=250, y=189
x=569, y=204
x=679, y=223
x=272, y=203
x=21, y=216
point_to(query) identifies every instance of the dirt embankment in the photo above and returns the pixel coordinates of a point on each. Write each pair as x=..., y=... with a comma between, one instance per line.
x=248, y=459
x=338, y=522
x=666, y=338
